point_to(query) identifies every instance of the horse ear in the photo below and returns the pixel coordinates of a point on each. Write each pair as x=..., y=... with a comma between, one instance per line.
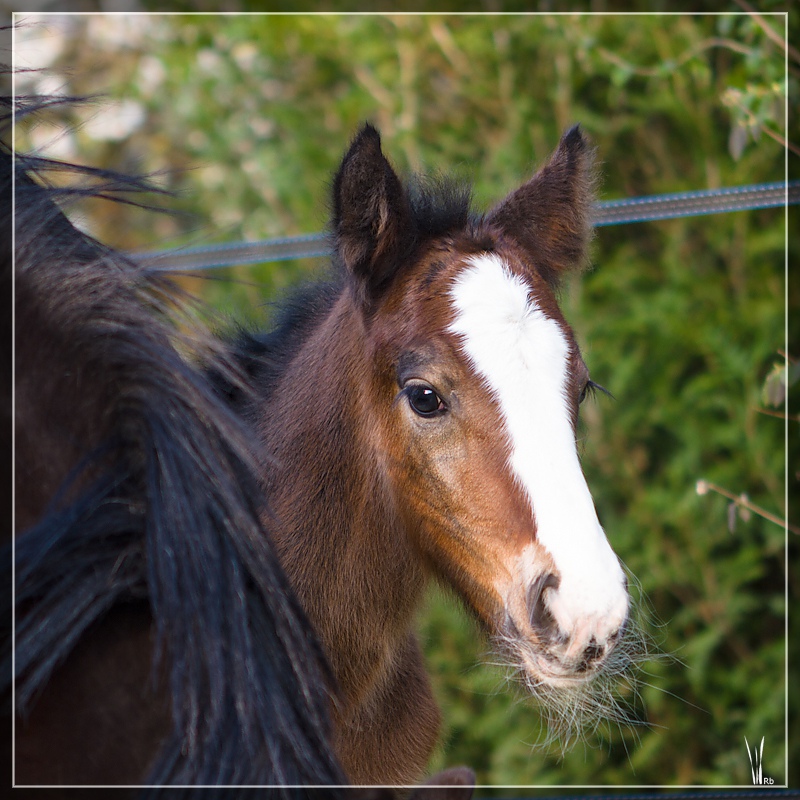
x=371, y=215
x=550, y=215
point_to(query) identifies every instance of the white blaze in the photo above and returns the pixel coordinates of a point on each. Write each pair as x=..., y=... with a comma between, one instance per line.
x=523, y=356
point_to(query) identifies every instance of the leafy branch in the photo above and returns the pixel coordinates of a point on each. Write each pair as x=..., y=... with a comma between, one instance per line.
x=742, y=504
x=784, y=374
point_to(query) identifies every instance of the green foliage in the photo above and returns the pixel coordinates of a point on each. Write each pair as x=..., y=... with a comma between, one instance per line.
x=682, y=320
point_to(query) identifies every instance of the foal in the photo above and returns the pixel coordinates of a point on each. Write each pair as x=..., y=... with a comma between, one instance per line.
x=419, y=412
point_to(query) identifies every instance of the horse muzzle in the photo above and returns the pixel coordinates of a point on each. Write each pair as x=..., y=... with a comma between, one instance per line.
x=557, y=640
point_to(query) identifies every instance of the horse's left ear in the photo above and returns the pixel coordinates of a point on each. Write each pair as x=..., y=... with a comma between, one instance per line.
x=371, y=216
x=550, y=215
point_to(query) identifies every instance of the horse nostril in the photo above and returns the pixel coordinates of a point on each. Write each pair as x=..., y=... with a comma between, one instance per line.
x=593, y=652
x=619, y=633
x=542, y=620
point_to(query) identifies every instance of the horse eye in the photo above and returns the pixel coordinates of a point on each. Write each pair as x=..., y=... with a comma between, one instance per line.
x=424, y=401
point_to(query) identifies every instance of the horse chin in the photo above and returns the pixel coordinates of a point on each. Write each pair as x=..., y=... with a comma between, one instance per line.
x=574, y=699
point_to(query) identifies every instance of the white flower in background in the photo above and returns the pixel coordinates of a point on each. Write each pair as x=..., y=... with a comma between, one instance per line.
x=37, y=45
x=152, y=74
x=113, y=32
x=209, y=61
x=245, y=54
x=53, y=141
x=115, y=121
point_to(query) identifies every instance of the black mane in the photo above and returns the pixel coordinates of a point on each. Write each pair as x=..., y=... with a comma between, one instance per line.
x=439, y=204
x=263, y=356
x=163, y=505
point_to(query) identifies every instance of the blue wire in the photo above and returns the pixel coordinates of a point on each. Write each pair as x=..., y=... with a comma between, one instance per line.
x=609, y=212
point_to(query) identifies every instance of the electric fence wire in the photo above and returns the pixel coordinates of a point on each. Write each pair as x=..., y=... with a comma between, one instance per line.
x=611, y=212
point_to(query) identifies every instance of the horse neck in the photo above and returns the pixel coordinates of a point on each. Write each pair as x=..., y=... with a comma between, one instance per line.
x=336, y=527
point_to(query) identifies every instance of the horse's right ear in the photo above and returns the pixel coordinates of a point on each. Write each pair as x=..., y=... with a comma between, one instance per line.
x=371, y=216
x=550, y=215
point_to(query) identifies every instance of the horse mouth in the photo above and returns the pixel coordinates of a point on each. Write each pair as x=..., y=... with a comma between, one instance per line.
x=557, y=661
x=543, y=668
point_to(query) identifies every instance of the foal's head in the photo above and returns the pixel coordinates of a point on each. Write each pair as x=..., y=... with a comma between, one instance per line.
x=476, y=383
